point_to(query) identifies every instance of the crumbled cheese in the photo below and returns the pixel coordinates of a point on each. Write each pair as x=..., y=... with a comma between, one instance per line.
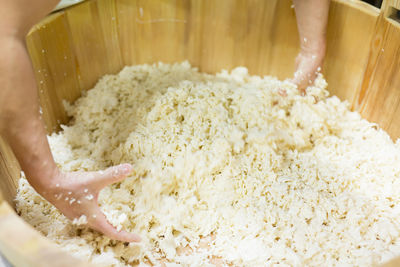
x=273, y=177
x=80, y=221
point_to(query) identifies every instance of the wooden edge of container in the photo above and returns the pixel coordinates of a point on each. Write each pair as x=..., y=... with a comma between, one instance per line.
x=52, y=16
x=387, y=9
x=360, y=5
x=388, y=4
x=48, y=19
x=22, y=245
x=393, y=263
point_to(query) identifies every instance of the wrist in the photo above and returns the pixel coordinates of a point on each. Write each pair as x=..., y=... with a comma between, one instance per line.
x=45, y=180
x=313, y=47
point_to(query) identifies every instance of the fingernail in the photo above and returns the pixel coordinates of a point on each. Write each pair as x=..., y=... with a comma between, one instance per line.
x=126, y=168
x=137, y=238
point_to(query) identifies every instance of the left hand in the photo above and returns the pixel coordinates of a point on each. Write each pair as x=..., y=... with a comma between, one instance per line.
x=75, y=194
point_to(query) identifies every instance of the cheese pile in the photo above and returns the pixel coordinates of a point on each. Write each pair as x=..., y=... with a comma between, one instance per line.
x=243, y=164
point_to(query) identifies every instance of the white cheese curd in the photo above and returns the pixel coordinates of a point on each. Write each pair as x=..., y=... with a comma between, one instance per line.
x=228, y=170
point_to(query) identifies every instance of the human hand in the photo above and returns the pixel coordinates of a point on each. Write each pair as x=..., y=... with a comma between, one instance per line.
x=76, y=193
x=308, y=65
x=312, y=19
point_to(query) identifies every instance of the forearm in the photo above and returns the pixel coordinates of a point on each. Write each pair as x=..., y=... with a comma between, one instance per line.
x=20, y=122
x=23, y=129
x=312, y=19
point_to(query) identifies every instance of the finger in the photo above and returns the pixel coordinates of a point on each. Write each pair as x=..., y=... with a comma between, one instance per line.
x=301, y=83
x=99, y=222
x=300, y=77
x=304, y=77
x=282, y=92
x=112, y=175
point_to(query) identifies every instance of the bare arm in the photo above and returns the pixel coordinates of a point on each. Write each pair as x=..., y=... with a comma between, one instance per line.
x=19, y=111
x=312, y=19
x=23, y=129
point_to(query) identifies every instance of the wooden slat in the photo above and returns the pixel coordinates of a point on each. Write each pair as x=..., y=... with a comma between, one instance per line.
x=150, y=33
x=9, y=174
x=54, y=61
x=126, y=13
x=379, y=97
x=348, y=37
x=107, y=15
x=283, y=39
x=93, y=36
x=224, y=40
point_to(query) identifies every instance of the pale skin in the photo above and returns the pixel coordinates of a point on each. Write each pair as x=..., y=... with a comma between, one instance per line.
x=312, y=19
x=75, y=193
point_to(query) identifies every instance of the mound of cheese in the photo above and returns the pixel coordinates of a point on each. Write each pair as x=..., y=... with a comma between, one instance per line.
x=263, y=174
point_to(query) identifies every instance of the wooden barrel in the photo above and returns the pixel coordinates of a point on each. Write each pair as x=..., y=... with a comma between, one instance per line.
x=73, y=48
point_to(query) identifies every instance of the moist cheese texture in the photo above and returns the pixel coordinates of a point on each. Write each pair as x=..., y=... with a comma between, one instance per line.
x=239, y=170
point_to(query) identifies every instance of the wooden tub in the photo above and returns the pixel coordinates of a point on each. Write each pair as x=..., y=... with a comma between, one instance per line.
x=71, y=49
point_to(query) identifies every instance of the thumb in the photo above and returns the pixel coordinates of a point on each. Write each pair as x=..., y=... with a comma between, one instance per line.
x=111, y=175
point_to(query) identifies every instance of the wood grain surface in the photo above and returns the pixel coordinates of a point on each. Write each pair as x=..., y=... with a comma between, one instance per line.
x=25, y=247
